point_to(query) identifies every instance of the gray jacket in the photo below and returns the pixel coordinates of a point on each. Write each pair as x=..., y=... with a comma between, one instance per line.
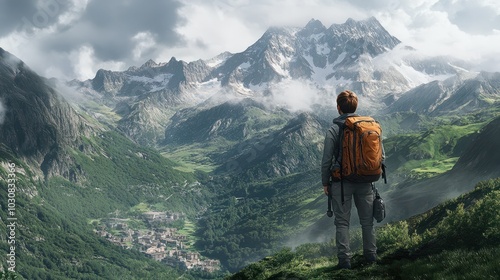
x=331, y=147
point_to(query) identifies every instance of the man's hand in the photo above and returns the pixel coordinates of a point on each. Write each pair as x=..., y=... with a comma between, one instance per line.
x=325, y=189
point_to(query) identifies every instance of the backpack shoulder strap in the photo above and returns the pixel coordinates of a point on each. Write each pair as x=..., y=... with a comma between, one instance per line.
x=338, y=155
x=338, y=129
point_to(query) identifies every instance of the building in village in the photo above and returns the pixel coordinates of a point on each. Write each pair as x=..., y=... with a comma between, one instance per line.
x=161, y=244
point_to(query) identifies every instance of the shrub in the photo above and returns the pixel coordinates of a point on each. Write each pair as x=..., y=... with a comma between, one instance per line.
x=474, y=226
x=396, y=236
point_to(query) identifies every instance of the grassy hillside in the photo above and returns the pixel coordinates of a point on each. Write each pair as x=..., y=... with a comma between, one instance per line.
x=421, y=184
x=204, y=139
x=55, y=244
x=459, y=239
x=432, y=152
x=419, y=147
x=254, y=215
x=115, y=175
x=54, y=238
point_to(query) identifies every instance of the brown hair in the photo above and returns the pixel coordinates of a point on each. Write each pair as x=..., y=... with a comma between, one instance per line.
x=347, y=101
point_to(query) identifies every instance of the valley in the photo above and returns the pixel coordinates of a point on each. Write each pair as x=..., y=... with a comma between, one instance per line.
x=163, y=236
x=203, y=171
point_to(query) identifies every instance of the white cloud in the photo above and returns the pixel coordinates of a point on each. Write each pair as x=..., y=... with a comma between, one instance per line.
x=293, y=95
x=71, y=45
x=213, y=27
x=427, y=25
x=144, y=42
x=210, y=30
x=85, y=63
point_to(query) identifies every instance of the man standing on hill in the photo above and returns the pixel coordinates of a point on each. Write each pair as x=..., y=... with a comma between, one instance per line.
x=363, y=195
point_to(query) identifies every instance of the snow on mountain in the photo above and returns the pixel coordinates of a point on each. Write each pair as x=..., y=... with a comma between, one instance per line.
x=463, y=93
x=287, y=66
x=218, y=60
x=155, y=83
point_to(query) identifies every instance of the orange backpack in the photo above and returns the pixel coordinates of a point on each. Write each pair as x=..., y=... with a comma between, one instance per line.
x=360, y=157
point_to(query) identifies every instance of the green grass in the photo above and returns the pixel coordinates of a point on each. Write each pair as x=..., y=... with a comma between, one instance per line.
x=136, y=224
x=191, y=158
x=429, y=168
x=91, y=221
x=430, y=152
x=103, y=113
x=188, y=229
x=54, y=244
x=436, y=166
x=459, y=239
x=454, y=264
x=141, y=207
x=307, y=201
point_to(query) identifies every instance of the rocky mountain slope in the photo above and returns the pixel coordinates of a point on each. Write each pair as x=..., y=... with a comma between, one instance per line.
x=456, y=95
x=293, y=148
x=69, y=169
x=360, y=55
x=38, y=123
x=231, y=120
x=479, y=160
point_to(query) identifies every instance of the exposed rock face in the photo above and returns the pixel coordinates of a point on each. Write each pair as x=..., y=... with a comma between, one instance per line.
x=359, y=55
x=38, y=123
x=146, y=97
x=230, y=120
x=458, y=95
x=150, y=77
x=295, y=147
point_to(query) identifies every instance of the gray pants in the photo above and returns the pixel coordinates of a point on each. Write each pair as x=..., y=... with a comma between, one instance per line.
x=363, y=199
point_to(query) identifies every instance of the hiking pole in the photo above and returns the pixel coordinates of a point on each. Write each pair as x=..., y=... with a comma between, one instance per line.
x=378, y=206
x=384, y=175
x=329, y=213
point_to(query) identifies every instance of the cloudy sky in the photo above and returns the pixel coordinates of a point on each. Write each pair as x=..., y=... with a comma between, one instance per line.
x=74, y=38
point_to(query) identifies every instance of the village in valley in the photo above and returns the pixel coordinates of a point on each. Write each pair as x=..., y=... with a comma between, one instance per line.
x=161, y=239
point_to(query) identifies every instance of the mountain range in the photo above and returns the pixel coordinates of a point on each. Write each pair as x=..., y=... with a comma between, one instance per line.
x=235, y=143
x=360, y=55
x=459, y=94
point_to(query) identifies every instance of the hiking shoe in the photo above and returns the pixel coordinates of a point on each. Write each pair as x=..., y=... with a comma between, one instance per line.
x=371, y=258
x=344, y=264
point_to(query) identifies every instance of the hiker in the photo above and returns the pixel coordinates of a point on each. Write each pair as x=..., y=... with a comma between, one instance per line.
x=363, y=194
